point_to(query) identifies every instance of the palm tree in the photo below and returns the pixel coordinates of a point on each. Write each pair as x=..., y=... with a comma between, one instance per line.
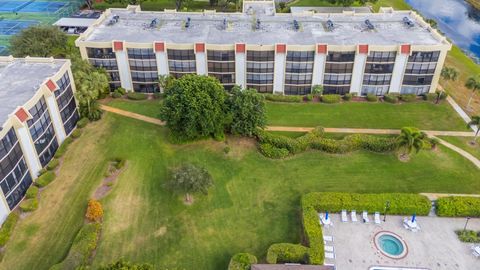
x=473, y=83
x=449, y=73
x=410, y=139
x=475, y=122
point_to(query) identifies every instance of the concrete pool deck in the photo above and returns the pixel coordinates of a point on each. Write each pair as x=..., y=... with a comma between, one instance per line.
x=436, y=246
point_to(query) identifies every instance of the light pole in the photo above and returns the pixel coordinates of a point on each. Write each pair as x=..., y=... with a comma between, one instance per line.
x=466, y=223
x=387, y=205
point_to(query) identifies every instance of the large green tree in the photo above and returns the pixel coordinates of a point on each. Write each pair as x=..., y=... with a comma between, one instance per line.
x=188, y=179
x=247, y=111
x=194, y=107
x=39, y=41
x=410, y=139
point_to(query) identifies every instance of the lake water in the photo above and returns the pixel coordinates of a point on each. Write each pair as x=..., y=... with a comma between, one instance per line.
x=457, y=19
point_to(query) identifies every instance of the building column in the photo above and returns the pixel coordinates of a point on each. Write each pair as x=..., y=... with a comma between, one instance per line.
x=438, y=70
x=279, y=70
x=319, y=64
x=26, y=143
x=4, y=209
x=162, y=59
x=201, y=59
x=241, y=65
x=399, y=69
x=54, y=111
x=358, y=69
x=123, y=66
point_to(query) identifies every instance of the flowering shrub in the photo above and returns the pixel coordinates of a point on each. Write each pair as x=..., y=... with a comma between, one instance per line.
x=94, y=210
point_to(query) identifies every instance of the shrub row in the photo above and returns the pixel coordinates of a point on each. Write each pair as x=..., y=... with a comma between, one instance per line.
x=63, y=148
x=390, y=98
x=400, y=203
x=82, y=122
x=331, y=98
x=408, y=97
x=32, y=192
x=53, y=164
x=468, y=236
x=287, y=253
x=372, y=98
x=313, y=232
x=136, y=96
x=282, y=98
x=271, y=151
x=242, y=261
x=45, y=179
x=457, y=206
x=119, y=92
x=29, y=205
x=76, y=133
x=83, y=245
x=7, y=228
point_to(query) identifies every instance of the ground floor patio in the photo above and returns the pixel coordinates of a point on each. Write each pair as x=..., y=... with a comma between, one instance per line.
x=435, y=246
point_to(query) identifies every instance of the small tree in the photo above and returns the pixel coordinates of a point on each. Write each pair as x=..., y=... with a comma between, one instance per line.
x=39, y=41
x=475, y=122
x=242, y=261
x=165, y=81
x=194, y=107
x=247, y=109
x=94, y=211
x=473, y=83
x=317, y=90
x=124, y=265
x=410, y=139
x=449, y=73
x=190, y=179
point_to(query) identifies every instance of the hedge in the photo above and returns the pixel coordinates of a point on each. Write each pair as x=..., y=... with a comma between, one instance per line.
x=7, y=228
x=45, y=179
x=63, y=148
x=53, y=164
x=32, y=192
x=76, y=133
x=121, y=91
x=458, y=206
x=271, y=151
x=287, y=253
x=82, y=122
x=390, y=98
x=372, y=98
x=29, y=205
x=333, y=98
x=400, y=203
x=430, y=96
x=313, y=232
x=282, y=98
x=81, y=250
x=242, y=261
x=136, y=96
x=347, y=97
x=408, y=97
x=116, y=94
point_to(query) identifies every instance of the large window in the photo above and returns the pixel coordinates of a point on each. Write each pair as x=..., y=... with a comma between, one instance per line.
x=338, y=72
x=298, y=72
x=66, y=103
x=144, y=71
x=181, y=62
x=260, y=69
x=42, y=132
x=419, y=72
x=14, y=175
x=221, y=65
x=105, y=58
x=378, y=73
x=100, y=53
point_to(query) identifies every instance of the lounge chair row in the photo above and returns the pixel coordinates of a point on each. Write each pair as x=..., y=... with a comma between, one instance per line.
x=329, y=249
x=365, y=219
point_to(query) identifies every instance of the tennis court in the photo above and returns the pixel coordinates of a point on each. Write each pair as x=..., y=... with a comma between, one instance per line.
x=13, y=6
x=12, y=27
x=30, y=6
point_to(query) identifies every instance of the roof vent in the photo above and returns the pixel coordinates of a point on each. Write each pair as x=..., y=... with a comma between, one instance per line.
x=407, y=22
x=153, y=23
x=257, y=25
x=330, y=26
x=224, y=25
x=369, y=24
x=114, y=20
x=296, y=26
x=187, y=23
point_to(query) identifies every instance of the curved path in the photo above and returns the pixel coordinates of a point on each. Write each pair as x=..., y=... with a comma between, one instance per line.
x=434, y=133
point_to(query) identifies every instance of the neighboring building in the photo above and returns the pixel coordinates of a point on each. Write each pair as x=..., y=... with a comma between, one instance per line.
x=37, y=112
x=386, y=52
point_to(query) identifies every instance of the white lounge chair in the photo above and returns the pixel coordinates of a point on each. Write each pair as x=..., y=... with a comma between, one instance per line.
x=354, y=216
x=329, y=249
x=377, y=218
x=328, y=238
x=365, y=217
x=329, y=255
x=344, y=216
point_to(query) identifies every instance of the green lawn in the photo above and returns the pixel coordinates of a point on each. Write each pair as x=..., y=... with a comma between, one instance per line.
x=254, y=203
x=149, y=108
x=464, y=143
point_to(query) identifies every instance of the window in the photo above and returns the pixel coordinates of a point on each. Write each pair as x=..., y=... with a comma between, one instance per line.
x=141, y=53
x=293, y=67
x=259, y=78
x=338, y=68
x=106, y=64
x=339, y=90
x=261, y=88
x=337, y=79
x=144, y=76
x=376, y=90
x=7, y=142
x=341, y=57
x=298, y=79
x=381, y=57
x=143, y=65
x=380, y=79
x=180, y=54
x=420, y=68
x=220, y=55
x=221, y=65
x=146, y=88
x=260, y=67
x=378, y=68
x=297, y=89
x=42, y=132
x=417, y=79
x=100, y=53
x=300, y=56
x=424, y=56
x=261, y=56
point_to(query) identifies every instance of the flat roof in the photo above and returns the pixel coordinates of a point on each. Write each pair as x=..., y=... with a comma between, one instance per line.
x=330, y=9
x=209, y=27
x=20, y=79
x=291, y=266
x=74, y=22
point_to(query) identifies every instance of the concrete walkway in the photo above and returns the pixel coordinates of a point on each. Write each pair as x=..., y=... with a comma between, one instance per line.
x=460, y=151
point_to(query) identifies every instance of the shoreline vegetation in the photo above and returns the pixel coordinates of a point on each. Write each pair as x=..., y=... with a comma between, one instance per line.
x=474, y=3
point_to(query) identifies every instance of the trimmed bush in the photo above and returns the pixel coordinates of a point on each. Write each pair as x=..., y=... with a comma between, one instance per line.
x=458, y=206
x=292, y=145
x=116, y=94
x=121, y=91
x=42, y=172
x=313, y=233
x=372, y=98
x=82, y=122
x=282, y=98
x=287, y=253
x=32, y=192
x=76, y=133
x=53, y=164
x=271, y=151
x=119, y=163
x=333, y=98
x=242, y=261
x=29, y=205
x=408, y=97
x=347, y=97
x=81, y=250
x=309, y=97
x=400, y=203
x=45, y=179
x=468, y=236
x=94, y=210
x=390, y=98
x=63, y=148
x=7, y=228
x=430, y=97
x=136, y=96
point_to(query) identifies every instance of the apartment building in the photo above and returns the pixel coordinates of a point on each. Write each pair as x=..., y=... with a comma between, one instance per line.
x=37, y=112
x=283, y=53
